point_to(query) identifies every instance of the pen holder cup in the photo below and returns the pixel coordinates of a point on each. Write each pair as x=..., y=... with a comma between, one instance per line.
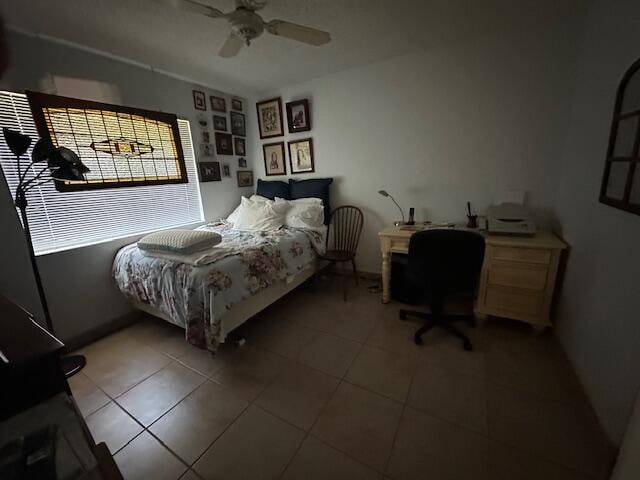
x=472, y=221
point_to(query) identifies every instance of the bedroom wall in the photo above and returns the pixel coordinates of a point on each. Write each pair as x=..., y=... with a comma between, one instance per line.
x=466, y=121
x=80, y=290
x=600, y=303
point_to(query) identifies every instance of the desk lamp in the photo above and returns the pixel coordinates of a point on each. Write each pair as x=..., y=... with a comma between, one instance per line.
x=384, y=193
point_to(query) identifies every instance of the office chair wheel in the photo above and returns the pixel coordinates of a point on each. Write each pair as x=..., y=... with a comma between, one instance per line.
x=417, y=339
x=466, y=344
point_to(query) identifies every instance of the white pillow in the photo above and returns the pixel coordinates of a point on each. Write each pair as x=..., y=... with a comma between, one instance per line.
x=183, y=242
x=259, y=216
x=233, y=216
x=260, y=198
x=303, y=212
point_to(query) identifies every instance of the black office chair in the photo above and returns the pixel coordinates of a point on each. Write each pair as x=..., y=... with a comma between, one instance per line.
x=442, y=263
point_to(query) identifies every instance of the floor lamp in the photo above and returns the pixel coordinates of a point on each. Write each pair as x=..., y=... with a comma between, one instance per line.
x=47, y=164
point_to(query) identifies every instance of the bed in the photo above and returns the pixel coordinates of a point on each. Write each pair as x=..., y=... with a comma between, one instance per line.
x=248, y=271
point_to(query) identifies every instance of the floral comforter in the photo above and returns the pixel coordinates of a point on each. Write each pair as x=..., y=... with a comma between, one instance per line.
x=197, y=297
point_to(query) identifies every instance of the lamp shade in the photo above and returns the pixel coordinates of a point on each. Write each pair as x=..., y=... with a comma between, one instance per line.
x=16, y=141
x=41, y=150
x=63, y=163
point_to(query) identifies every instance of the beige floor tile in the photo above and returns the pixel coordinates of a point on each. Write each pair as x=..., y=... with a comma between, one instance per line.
x=145, y=459
x=159, y=335
x=535, y=371
x=192, y=425
x=189, y=475
x=284, y=338
x=393, y=334
x=384, y=372
x=427, y=447
x=257, y=445
x=247, y=371
x=150, y=399
x=360, y=423
x=559, y=433
x=113, y=426
x=317, y=461
x=330, y=354
x=451, y=396
x=506, y=463
x=298, y=395
x=200, y=360
x=118, y=362
x=87, y=395
x=350, y=320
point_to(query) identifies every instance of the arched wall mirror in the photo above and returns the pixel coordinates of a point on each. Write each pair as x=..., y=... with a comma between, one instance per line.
x=621, y=180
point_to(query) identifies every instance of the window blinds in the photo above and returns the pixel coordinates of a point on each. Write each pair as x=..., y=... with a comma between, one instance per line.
x=60, y=221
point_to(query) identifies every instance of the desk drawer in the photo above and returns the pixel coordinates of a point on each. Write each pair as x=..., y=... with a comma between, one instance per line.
x=513, y=254
x=399, y=245
x=518, y=275
x=513, y=300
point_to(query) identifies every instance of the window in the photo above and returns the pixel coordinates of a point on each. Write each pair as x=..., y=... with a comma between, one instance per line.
x=63, y=220
x=122, y=146
x=621, y=180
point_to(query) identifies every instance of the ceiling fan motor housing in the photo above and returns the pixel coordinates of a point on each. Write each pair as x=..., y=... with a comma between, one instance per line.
x=246, y=24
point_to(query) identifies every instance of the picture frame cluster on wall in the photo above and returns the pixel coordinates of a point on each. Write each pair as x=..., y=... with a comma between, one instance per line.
x=300, y=157
x=270, y=124
x=224, y=142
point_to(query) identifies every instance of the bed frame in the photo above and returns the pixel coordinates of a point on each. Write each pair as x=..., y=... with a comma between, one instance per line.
x=247, y=308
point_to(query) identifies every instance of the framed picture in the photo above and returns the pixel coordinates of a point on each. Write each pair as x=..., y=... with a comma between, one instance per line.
x=245, y=178
x=270, y=118
x=205, y=136
x=242, y=163
x=218, y=104
x=220, y=123
x=226, y=170
x=199, y=100
x=274, y=161
x=209, y=171
x=298, y=118
x=301, y=156
x=202, y=120
x=236, y=104
x=239, y=146
x=237, y=124
x=206, y=150
x=224, y=145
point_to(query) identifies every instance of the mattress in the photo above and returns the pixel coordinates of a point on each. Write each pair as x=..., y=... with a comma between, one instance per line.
x=197, y=297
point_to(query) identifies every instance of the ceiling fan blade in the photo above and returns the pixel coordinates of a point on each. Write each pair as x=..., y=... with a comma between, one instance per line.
x=231, y=47
x=297, y=32
x=193, y=6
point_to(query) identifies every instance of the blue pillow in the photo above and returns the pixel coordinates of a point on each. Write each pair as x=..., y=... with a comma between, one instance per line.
x=273, y=189
x=315, y=187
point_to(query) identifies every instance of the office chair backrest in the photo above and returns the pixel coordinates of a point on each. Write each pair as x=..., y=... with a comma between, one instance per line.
x=446, y=261
x=345, y=227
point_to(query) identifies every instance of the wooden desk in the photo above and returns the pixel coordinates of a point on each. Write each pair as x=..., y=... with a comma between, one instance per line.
x=518, y=274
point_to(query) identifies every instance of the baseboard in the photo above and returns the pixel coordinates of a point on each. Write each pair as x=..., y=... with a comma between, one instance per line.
x=97, y=333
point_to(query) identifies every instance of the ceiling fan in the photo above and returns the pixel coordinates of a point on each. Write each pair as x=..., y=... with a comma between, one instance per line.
x=246, y=25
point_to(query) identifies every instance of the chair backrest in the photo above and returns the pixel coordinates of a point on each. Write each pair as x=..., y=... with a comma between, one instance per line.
x=345, y=227
x=446, y=261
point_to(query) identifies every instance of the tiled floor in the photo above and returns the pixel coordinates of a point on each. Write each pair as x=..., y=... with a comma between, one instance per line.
x=328, y=389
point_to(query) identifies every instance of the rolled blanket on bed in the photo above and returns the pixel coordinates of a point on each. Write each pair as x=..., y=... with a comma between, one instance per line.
x=178, y=242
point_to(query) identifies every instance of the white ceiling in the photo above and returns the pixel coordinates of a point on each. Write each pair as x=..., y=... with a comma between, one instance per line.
x=185, y=43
